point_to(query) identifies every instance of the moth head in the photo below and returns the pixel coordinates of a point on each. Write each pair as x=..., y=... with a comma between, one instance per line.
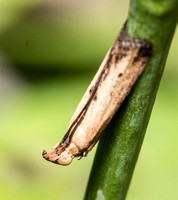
x=58, y=155
x=65, y=158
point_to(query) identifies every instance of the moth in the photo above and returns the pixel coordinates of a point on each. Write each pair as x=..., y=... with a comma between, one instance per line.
x=120, y=69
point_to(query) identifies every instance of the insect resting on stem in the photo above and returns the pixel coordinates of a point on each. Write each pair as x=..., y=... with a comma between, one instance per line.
x=120, y=69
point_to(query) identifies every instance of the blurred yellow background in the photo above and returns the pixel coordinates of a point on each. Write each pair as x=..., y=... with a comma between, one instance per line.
x=49, y=52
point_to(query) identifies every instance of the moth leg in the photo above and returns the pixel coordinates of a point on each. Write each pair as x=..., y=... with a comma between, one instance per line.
x=83, y=154
x=79, y=157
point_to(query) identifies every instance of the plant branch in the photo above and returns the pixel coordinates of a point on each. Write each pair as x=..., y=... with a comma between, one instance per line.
x=120, y=145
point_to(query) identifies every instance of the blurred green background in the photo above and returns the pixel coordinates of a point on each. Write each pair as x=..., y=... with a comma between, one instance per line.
x=49, y=52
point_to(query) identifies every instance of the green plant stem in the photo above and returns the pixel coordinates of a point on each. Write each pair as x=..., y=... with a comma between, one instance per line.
x=120, y=145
